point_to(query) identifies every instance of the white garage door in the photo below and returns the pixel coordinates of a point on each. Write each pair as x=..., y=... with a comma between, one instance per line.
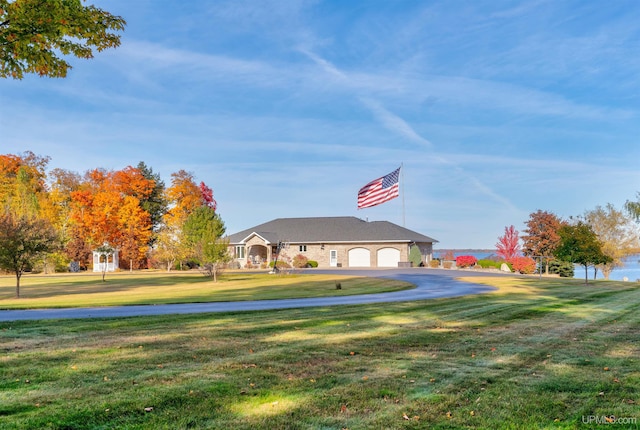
x=388, y=257
x=359, y=257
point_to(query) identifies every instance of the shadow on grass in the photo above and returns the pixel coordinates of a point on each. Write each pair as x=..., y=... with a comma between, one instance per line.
x=534, y=359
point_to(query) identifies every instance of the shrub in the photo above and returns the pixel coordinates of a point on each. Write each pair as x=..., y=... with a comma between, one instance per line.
x=447, y=264
x=312, y=263
x=562, y=268
x=300, y=261
x=486, y=263
x=524, y=265
x=466, y=261
x=415, y=256
x=281, y=264
x=434, y=263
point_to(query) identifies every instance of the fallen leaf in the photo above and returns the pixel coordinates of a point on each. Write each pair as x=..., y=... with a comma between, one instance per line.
x=616, y=380
x=149, y=409
x=432, y=380
x=343, y=409
x=606, y=369
x=472, y=413
x=493, y=349
x=352, y=353
x=405, y=417
x=449, y=414
x=364, y=378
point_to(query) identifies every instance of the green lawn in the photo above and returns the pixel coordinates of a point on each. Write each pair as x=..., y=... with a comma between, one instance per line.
x=139, y=288
x=536, y=354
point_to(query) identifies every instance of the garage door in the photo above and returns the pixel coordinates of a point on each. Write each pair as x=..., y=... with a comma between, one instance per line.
x=388, y=257
x=359, y=257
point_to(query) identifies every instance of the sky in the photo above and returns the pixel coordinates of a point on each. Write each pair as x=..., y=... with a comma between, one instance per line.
x=494, y=109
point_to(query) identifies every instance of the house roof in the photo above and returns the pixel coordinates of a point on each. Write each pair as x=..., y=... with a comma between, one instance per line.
x=329, y=229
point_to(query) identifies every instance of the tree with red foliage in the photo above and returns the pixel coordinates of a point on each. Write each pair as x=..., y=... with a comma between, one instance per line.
x=542, y=238
x=508, y=246
x=207, y=196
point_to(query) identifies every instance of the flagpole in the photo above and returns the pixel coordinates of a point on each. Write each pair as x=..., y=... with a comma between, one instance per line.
x=402, y=182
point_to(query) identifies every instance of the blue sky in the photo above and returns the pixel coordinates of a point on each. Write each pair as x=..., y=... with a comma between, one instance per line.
x=286, y=108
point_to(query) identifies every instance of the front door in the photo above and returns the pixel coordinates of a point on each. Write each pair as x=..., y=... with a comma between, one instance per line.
x=333, y=258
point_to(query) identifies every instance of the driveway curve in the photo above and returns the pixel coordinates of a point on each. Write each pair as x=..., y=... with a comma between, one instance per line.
x=430, y=284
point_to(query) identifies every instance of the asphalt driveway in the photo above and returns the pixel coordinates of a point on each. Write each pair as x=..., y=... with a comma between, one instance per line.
x=430, y=284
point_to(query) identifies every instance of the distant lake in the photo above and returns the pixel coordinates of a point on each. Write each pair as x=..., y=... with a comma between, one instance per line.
x=630, y=270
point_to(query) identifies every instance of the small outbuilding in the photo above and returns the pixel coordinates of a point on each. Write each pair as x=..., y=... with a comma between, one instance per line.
x=331, y=241
x=105, y=262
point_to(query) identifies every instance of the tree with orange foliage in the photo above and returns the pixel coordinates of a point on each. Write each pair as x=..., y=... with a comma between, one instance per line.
x=106, y=209
x=184, y=196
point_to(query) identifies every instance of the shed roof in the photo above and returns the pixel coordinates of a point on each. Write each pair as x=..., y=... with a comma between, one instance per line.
x=329, y=229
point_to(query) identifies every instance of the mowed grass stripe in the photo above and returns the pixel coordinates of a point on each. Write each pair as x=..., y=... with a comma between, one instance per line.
x=535, y=354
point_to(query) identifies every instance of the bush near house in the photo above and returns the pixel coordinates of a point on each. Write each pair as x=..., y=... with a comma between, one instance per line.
x=281, y=264
x=463, y=261
x=300, y=261
x=312, y=263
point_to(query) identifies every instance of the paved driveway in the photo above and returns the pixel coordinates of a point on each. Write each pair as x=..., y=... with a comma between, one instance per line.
x=430, y=284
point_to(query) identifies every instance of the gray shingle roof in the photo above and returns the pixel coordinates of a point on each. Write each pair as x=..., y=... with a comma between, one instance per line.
x=330, y=229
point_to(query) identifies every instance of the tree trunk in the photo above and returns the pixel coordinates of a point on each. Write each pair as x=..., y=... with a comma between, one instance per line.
x=18, y=284
x=586, y=274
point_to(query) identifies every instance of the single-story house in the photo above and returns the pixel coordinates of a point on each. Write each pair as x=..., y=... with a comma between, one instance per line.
x=331, y=241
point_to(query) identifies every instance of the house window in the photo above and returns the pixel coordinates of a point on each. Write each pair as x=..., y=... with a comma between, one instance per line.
x=303, y=248
x=240, y=251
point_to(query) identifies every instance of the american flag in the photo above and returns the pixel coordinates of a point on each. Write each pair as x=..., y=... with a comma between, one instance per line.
x=380, y=190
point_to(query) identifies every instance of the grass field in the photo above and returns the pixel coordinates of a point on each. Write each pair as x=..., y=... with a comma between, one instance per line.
x=140, y=288
x=536, y=354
